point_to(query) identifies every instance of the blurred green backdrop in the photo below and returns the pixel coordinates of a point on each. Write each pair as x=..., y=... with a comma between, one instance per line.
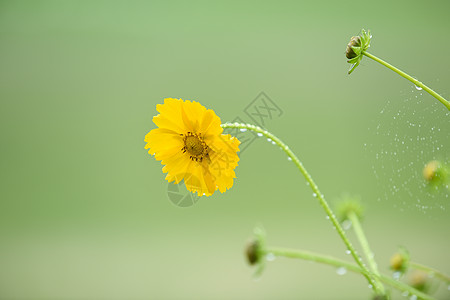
x=84, y=211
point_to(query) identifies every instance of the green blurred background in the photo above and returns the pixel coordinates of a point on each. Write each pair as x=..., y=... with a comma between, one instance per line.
x=84, y=211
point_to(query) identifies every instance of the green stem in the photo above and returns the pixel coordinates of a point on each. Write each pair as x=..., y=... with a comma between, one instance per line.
x=413, y=80
x=316, y=193
x=365, y=246
x=429, y=270
x=329, y=260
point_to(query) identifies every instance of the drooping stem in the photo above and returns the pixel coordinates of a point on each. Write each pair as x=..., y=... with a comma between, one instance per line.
x=329, y=260
x=365, y=246
x=429, y=270
x=412, y=79
x=316, y=193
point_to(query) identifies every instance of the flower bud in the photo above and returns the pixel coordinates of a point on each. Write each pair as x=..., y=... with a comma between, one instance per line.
x=399, y=261
x=349, y=205
x=419, y=280
x=430, y=170
x=356, y=47
x=355, y=41
x=253, y=252
x=436, y=174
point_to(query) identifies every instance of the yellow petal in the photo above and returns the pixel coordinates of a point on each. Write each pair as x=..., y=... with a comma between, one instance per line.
x=201, y=174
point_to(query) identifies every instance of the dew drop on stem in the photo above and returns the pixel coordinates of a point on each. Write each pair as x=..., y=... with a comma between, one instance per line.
x=341, y=271
x=270, y=257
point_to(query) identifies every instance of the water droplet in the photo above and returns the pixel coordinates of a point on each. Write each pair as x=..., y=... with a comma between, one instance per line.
x=347, y=252
x=243, y=129
x=370, y=286
x=327, y=217
x=341, y=271
x=273, y=143
x=270, y=257
x=418, y=88
x=346, y=224
x=314, y=195
x=259, y=134
x=413, y=297
x=269, y=139
x=289, y=158
x=405, y=294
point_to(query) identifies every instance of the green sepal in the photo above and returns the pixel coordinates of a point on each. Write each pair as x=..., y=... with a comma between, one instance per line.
x=358, y=49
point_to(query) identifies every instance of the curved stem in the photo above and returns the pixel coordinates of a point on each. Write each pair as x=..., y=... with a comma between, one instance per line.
x=365, y=246
x=316, y=193
x=435, y=272
x=413, y=80
x=329, y=260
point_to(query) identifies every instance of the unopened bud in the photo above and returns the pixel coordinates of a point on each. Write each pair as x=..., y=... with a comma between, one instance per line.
x=436, y=174
x=349, y=205
x=253, y=252
x=419, y=280
x=431, y=170
x=400, y=260
x=355, y=41
x=356, y=47
x=397, y=262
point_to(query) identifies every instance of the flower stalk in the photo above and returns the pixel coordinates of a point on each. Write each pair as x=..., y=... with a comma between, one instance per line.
x=331, y=261
x=316, y=193
x=365, y=246
x=410, y=78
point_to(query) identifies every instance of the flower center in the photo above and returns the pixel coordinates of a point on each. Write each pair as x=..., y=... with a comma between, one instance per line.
x=195, y=146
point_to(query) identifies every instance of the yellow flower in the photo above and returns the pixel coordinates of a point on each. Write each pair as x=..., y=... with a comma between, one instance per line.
x=190, y=144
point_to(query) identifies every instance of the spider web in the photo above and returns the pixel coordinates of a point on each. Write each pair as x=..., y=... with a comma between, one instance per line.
x=408, y=133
